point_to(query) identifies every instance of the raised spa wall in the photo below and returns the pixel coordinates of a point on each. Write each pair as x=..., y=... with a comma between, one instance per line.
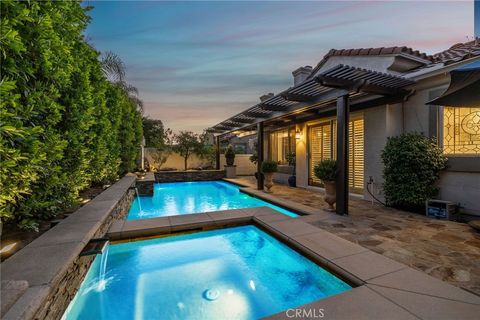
x=181, y=176
x=39, y=281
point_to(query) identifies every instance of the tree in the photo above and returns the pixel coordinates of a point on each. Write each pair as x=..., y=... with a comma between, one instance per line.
x=154, y=133
x=162, y=150
x=187, y=143
x=63, y=125
x=114, y=69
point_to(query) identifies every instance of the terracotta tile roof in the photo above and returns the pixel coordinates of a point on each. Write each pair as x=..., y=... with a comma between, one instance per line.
x=371, y=52
x=377, y=51
x=459, y=52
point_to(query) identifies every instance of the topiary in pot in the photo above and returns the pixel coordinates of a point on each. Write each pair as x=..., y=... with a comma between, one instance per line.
x=230, y=155
x=326, y=170
x=412, y=165
x=269, y=168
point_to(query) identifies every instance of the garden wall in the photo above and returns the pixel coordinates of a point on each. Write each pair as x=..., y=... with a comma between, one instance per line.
x=175, y=161
x=244, y=166
x=51, y=264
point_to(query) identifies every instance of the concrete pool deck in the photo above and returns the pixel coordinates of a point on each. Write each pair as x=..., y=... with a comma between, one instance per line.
x=384, y=288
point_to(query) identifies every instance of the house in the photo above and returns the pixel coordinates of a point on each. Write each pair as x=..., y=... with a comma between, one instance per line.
x=369, y=95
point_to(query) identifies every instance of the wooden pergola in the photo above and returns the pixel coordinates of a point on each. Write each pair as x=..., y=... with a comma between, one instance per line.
x=338, y=89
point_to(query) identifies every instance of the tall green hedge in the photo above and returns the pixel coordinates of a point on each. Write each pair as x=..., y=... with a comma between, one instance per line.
x=63, y=126
x=412, y=166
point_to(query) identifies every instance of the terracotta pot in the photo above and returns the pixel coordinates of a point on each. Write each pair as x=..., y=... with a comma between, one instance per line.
x=330, y=194
x=268, y=181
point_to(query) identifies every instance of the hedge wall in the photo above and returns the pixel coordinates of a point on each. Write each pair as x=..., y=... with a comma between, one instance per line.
x=63, y=126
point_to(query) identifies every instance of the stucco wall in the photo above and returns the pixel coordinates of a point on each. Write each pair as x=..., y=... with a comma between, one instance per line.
x=175, y=161
x=380, y=123
x=301, y=157
x=461, y=187
x=244, y=166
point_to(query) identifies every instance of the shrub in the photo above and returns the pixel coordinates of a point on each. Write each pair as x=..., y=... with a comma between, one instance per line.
x=269, y=166
x=326, y=170
x=412, y=165
x=230, y=155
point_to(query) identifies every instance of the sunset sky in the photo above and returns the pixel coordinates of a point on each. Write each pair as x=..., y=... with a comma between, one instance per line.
x=197, y=63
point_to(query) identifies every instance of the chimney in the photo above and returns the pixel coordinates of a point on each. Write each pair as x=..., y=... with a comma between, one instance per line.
x=301, y=74
x=266, y=96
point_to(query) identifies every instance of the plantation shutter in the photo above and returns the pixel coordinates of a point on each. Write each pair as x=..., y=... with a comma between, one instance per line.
x=356, y=155
x=322, y=146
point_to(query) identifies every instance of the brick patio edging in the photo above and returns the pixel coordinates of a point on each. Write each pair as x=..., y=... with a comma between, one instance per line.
x=51, y=265
x=383, y=288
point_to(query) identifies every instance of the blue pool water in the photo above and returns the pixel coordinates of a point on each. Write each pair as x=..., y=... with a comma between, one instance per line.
x=234, y=273
x=171, y=199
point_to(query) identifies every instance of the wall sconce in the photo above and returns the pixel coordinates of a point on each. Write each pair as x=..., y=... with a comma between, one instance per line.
x=298, y=135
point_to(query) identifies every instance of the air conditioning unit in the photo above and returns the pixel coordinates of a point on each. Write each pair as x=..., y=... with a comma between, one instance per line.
x=441, y=209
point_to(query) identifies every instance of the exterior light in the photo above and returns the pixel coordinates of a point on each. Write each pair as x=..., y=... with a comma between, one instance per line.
x=8, y=247
x=298, y=135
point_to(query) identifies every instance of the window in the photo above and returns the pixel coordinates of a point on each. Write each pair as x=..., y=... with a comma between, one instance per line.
x=281, y=142
x=322, y=145
x=461, y=131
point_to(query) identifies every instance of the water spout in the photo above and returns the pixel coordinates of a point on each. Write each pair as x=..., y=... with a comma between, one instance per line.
x=102, y=282
x=138, y=199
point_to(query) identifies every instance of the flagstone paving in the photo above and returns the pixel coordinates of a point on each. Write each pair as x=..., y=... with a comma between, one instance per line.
x=446, y=250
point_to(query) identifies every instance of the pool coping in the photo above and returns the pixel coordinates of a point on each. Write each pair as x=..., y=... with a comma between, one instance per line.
x=383, y=288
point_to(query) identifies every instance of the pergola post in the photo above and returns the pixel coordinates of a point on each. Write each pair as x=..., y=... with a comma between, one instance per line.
x=342, y=154
x=217, y=152
x=259, y=155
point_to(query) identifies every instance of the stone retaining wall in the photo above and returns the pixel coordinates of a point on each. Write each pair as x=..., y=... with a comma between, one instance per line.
x=51, y=264
x=183, y=176
x=145, y=185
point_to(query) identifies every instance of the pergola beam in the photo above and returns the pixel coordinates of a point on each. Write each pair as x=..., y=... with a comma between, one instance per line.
x=244, y=120
x=257, y=115
x=343, y=114
x=273, y=107
x=298, y=97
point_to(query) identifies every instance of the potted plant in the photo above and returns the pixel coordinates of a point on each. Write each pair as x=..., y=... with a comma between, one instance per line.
x=268, y=169
x=230, y=159
x=291, y=159
x=326, y=170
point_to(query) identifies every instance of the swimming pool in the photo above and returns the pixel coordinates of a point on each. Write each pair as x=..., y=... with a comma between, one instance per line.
x=234, y=273
x=177, y=198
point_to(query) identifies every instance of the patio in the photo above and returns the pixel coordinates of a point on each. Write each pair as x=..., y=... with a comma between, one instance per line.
x=446, y=250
